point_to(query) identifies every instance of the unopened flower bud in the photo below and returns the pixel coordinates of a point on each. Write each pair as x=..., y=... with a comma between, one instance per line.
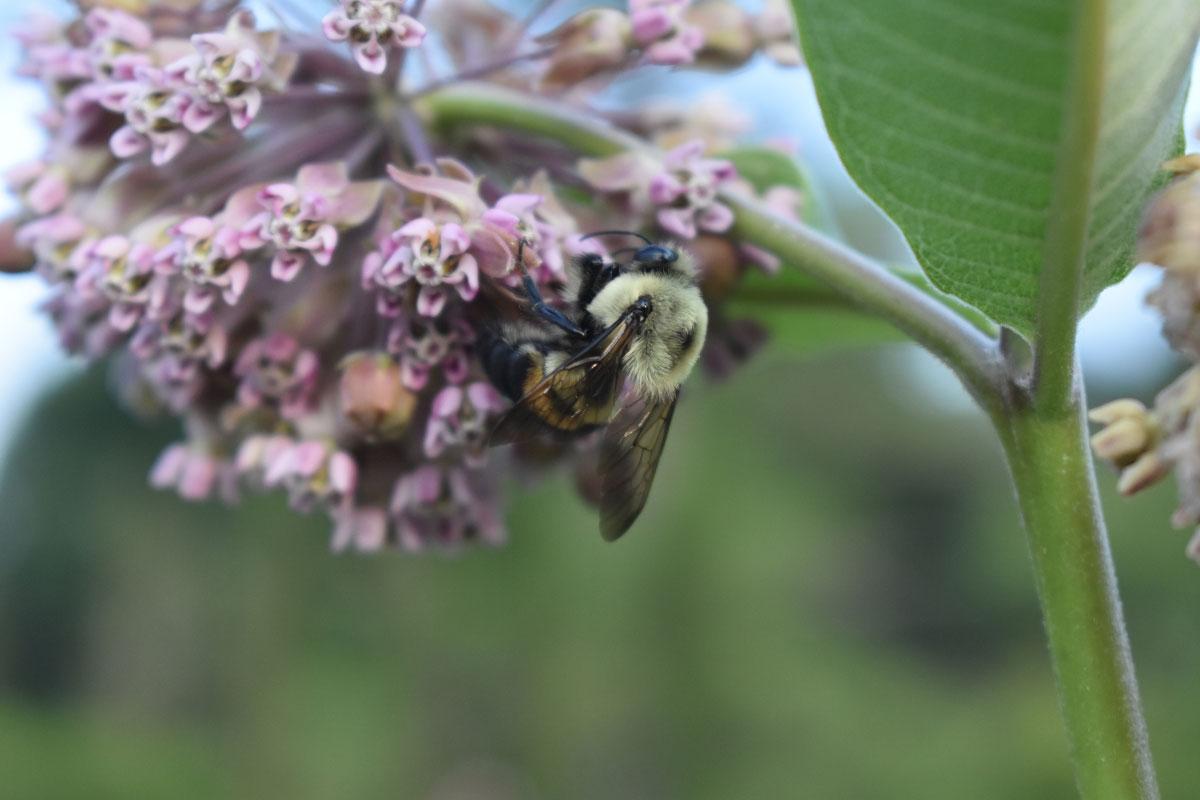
x=729, y=37
x=720, y=265
x=1170, y=232
x=1128, y=431
x=592, y=42
x=1128, y=440
x=777, y=33
x=373, y=397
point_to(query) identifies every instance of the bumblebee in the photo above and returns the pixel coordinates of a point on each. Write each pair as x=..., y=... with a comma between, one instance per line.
x=614, y=359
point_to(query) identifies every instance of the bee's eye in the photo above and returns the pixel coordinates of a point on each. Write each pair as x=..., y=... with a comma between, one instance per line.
x=655, y=255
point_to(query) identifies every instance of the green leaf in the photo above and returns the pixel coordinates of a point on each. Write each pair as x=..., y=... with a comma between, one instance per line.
x=798, y=310
x=1014, y=142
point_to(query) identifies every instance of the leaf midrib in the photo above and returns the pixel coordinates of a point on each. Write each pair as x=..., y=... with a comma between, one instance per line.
x=1065, y=247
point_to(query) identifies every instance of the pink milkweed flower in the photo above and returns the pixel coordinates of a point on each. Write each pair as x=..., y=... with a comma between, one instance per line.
x=434, y=257
x=275, y=368
x=441, y=253
x=534, y=213
x=460, y=418
x=445, y=507
x=123, y=271
x=43, y=187
x=175, y=351
x=362, y=529
x=81, y=319
x=49, y=54
x=227, y=72
x=118, y=43
x=302, y=219
x=686, y=191
x=206, y=253
x=424, y=345
x=660, y=28
x=154, y=112
x=314, y=474
x=682, y=187
x=194, y=473
x=53, y=240
x=372, y=26
x=256, y=453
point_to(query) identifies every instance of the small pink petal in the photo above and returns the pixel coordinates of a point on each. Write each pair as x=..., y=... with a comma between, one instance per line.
x=431, y=301
x=286, y=265
x=716, y=218
x=651, y=24
x=239, y=276
x=196, y=227
x=200, y=116
x=343, y=473
x=356, y=203
x=419, y=229
x=470, y=273
x=454, y=240
x=328, y=178
x=679, y=157
x=168, y=467
x=127, y=142
x=665, y=189
x=48, y=193
x=198, y=299
x=199, y=475
x=677, y=221
x=336, y=26
x=307, y=458
x=670, y=53
x=448, y=402
x=370, y=56
x=166, y=146
x=484, y=397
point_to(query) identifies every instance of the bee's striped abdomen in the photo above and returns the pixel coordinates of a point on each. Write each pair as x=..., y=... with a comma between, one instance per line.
x=508, y=366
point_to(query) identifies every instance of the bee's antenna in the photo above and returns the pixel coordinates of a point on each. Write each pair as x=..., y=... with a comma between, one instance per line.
x=624, y=250
x=617, y=233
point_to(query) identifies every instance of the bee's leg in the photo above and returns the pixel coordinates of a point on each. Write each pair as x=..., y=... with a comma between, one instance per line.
x=546, y=312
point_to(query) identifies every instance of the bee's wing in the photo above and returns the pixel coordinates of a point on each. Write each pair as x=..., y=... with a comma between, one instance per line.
x=577, y=396
x=629, y=457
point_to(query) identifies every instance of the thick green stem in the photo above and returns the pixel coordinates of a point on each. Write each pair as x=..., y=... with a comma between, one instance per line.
x=1081, y=608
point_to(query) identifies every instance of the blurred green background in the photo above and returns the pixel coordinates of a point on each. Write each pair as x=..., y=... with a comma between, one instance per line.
x=827, y=597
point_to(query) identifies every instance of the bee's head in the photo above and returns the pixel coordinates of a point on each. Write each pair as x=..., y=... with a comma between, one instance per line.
x=654, y=258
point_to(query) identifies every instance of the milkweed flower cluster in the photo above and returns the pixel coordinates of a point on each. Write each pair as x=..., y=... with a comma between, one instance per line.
x=1147, y=444
x=261, y=229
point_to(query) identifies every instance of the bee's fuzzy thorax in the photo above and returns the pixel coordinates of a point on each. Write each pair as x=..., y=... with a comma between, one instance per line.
x=669, y=343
